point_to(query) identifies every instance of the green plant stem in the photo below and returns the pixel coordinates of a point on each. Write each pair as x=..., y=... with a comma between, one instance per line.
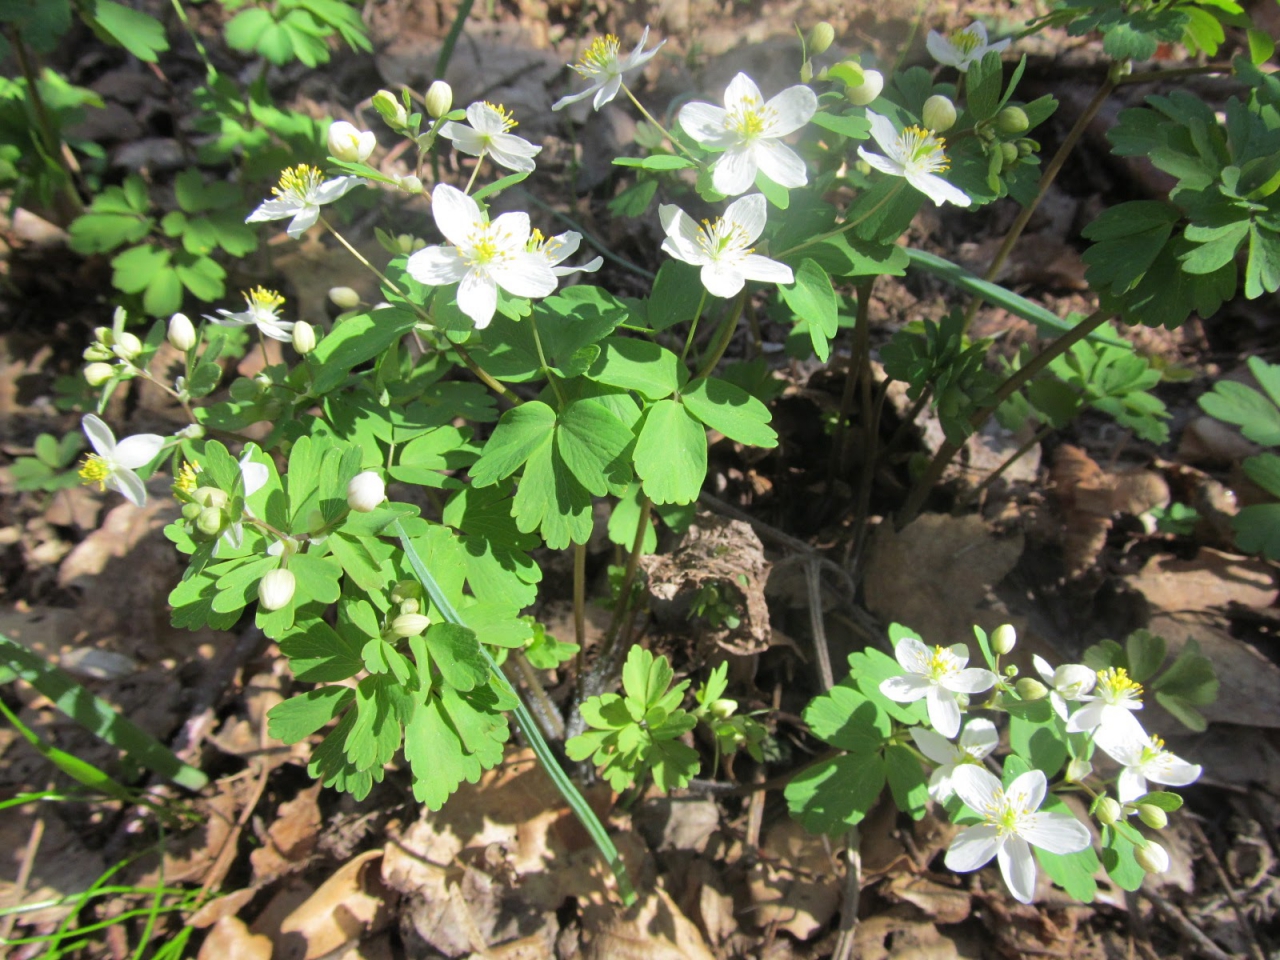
x=623, y=605
x=693, y=325
x=474, y=171
x=542, y=359
x=543, y=710
x=849, y=225
x=648, y=116
x=1019, y=378
x=727, y=326
x=577, y=802
x=181, y=11
x=1009, y=461
x=371, y=268
x=1046, y=180
x=484, y=377
x=580, y=596
x=451, y=38
x=52, y=142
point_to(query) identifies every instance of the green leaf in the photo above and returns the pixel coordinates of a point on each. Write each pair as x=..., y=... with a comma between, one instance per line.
x=870, y=668
x=985, y=81
x=907, y=780
x=1036, y=736
x=624, y=520
x=520, y=432
x=854, y=126
x=1117, y=857
x=163, y=295
x=434, y=750
x=731, y=410
x=456, y=651
x=662, y=161
x=846, y=719
x=1072, y=871
x=318, y=653
x=813, y=298
x=245, y=29
x=1145, y=652
x=317, y=578
x=591, y=440
x=140, y=34
x=640, y=365
x=136, y=267
x=354, y=341
x=1258, y=529
x=671, y=454
x=550, y=498
x=834, y=795
x=669, y=300
x=1127, y=238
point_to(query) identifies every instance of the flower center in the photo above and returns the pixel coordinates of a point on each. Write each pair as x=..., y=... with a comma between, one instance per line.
x=1116, y=686
x=749, y=118
x=923, y=149
x=95, y=470
x=966, y=41
x=1152, y=751
x=508, y=119
x=298, y=182
x=1005, y=813
x=941, y=663
x=262, y=300
x=185, y=482
x=485, y=246
x=724, y=238
x=600, y=57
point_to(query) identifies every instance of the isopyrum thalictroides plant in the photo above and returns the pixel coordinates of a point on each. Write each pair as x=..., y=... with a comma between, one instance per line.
x=519, y=397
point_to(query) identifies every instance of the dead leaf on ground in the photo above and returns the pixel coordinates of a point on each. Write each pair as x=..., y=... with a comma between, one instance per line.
x=654, y=929
x=1212, y=579
x=893, y=936
x=63, y=866
x=290, y=839
x=230, y=939
x=707, y=902
x=933, y=574
x=677, y=823
x=937, y=901
x=797, y=883
x=352, y=903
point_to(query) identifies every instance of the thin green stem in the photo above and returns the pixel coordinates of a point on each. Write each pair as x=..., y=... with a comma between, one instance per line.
x=628, y=579
x=542, y=359
x=648, y=116
x=849, y=225
x=51, y=141
x=181, y=11
x=727, y=327
x=474, y=170
x=693, y=326
x=577, y=802
x=580, y=595
x=484, y=377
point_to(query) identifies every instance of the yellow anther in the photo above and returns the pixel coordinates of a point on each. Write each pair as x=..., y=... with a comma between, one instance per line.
x=508, y=119
x=602, y=54
x=298, y=181
x=263, y=299
x=95, y=470
x=186, y=481
x=965, y=41
x=1115, y=683
x=924, y=147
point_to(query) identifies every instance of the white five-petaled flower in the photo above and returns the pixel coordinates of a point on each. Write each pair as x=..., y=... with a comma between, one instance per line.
x=481, y=256
x=1070, y=681
x=262, y=311
x=603, y=67
x=300, y=195
x=1116, y=695
x=977, y=740
x=488, y=136
x=963, y=48
x=1143, y=758
x=749, y=131
x=938, y=676
x=723, y=249
x=560, y=248
x=1010, y=826
x=916, y=154
x=113, y=464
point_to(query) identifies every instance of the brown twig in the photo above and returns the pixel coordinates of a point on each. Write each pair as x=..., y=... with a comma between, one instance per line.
x=24, y=873
x=1179, y=922
x=1254, y=947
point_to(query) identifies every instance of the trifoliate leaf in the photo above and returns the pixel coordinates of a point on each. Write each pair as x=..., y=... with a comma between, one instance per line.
x=519, y=432
x=455, y=650
x=671, y=454
x=319, y=653
x=834, y=795
x=907, y=780
x=813, y=298
x=299, y=717
x=592, y=440
x=846, y=719
x=731, y=410
x=640, y=365
x=551, y=499
x=1035, y=735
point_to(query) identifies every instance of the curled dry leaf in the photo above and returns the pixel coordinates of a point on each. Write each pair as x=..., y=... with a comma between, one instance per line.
x=654, y=929
x=349, y=905
x=796, y=885
x=290, y=839
x=230, y=939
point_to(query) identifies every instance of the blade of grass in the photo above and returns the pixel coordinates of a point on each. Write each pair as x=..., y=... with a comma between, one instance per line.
x=96, y=715
x=83, y=773
x=577, y=802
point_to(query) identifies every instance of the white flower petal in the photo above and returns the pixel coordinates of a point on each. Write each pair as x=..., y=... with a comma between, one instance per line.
x=750, y=213
x=978, y=788
x=935, y=746
x=780, y=163
x=304, y=221
x=912, y=655
x=130, y=485
x=1172, y=771
x=883, y=131
x=1124, y=742
x=437, y=266
x=683, y=235
x=1086, y=718
x=906, y=689
x=944, y=712
x=792, y=109
x=742, y=91
x=940, y=788
x=331, y=190
x=608, y=90
x=99, y=434
x=937, y=189
x=1131, y=784
x=756, y=267
x=1028, y=790
x=1055, y=832
x=277, y=209
x=1073, y=680
x=970, y=680
x=478, y=298
x=512, y=230
x=1046, y=672
x=883, y=164
x=571, y=98
x=525, y=275
x=1018, y=867
x=253, y=475
x=705, y=122
x=735, y=171
x=722, y=279
x=941, y=49
x=455, y=213
x=980, y=738
x=137, y=451
x=973, y=847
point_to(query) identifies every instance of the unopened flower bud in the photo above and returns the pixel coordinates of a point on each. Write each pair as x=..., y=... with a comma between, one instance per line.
x=1009, y=153
x=410, y=624
x=98, y=352
x=1004, y=638
x=1012, y=120
x=190, y=511
x=275, y=589
x=821, y=37
x=304, y=337
x=126, y=346
x=390, y=108
x=1152, y=858
x=939, y=113
x=723, y=709
x=867, y=91
x=410, y=606
x=439, y=99
x=406, y=590
x=410, y=184
x=96, y=374
x=192, y=431
x=806, y=72
x=348, y=142
x=1031, y=689
x=1078, y=769
x=407, y=243
x=344, y=298
x=182, y=334
x=1153, y=816
x=210, y=497
x=365, y=492
x=209, y=520
x=1026, y=147
x=1108, y=811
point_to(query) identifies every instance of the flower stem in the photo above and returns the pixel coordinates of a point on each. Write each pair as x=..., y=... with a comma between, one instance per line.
x=542, y=359
x=53, y=145
x=845, y=226
x=474, y=170
x=727, y=327
x=648, y=116
x=693, y=326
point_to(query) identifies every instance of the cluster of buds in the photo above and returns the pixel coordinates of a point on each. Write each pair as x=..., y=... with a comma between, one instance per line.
x=205, y=507
x=112, y=352
x=861, y=85
x=409, y=618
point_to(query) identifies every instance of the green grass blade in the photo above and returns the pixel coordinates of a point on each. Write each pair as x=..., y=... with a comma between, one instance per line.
x=540, y=746
x=995, y=294
x=82, y=772
x=97, y=716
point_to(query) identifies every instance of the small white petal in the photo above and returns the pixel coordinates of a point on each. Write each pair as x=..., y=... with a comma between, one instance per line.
x=1172, y=771
x=883, y=164
x=937, y=189
x=1018, y=867
x=304, y=221
x=750, y=213
x=455, y=213
x=331, y=190
x=277, y=209
x=525, y=275
x=780, y=164
x=883, y=131
x=977, y=787
x=1055, y=832
x=130, y=485
x=478, y=298
x=906, y=689
x=1045, y=671
x=1086, y=718
x=979, y=738
x=254, y=476
x=735, y=171
x=935, y=746
x=99, y=434
x=973, y=847
x=437, y=266
x=944, y=712
x=704, y=122
x=722, y=279
x=756, y=267
x=792, y=109
x=1028, y=790
x=137, y=451
x=970, y=680
x=1131, y=784
x=608, y=90
x=912, y=655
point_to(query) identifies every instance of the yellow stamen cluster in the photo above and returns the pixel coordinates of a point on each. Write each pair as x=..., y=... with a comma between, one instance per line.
x=940, y=661
x=1115, y=684
x=508, y=118
x=924, y=147
x=261, y=298
x=298, y=181
x=185, y=482
x=723, y=235
x=484, y=246
x=600, y=56
x=95, y=470
x=966, y=41
x=750, y=118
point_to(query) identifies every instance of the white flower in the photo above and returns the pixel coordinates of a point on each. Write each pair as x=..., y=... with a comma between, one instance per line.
x=1143, y=758
x=976, y=743
x=916, y=154
x=723, y=249
x=348, y=142
x=182, y=334
x=488, y=135
x=963, y=48
x=1116, y=695
x=480, y=256
x=560, y=248
x=276, y=588
x=301, y=193
x=749, y=131
x=602, y=66
x=1011, y=826
x=937, y=675
x=253, y=477
x=113, y=464
x=1070, y=681
x=263, y=312
x=365, y=492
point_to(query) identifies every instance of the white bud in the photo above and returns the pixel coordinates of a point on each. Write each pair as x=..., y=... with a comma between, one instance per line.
x=1031, y=689
x=867, y=91
x=723, y=709
x=344, y=298
x=96, y=374
x=1152, y=858
x=410, y=606
x=182, y=334
x=365, y=492
x=939, y=113
x=410, y=624
x=1153, y=816
x=126, y=346
x=1003, y=639
x=409, y=184
x=439, y=99
x=304, y=337
x=390, y=107
x=1078, y=769
x=275, y=589
x=821, y=37
x=348, y=142
x=1108, y=811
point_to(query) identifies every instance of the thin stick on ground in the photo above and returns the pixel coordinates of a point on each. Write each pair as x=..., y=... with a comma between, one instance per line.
x=1202, y=944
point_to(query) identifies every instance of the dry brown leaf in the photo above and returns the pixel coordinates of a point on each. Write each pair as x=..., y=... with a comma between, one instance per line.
x=346, y=907
x=1211, y=580
x=654, y=929
x=215, y=910
x=707, y=903
x=939, y=902
x=290, y=839
x=683, y=823
x=796, y=885
x=63, y=866
x=230, y=939
x=932, y=574
x=892, y=936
